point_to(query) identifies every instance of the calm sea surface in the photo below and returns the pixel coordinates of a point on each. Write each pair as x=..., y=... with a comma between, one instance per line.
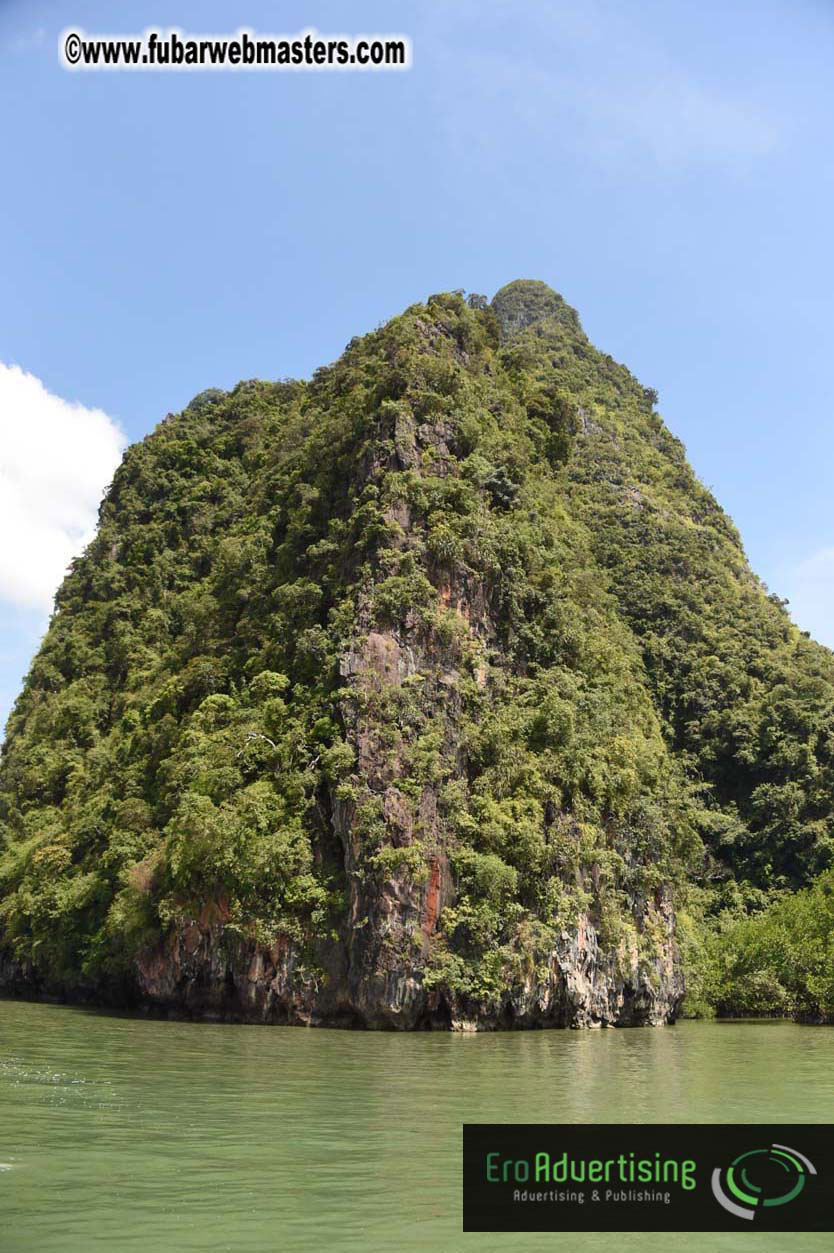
x=120, y=1133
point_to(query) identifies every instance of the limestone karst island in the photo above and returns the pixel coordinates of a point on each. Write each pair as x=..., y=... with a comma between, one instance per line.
x=434, y=692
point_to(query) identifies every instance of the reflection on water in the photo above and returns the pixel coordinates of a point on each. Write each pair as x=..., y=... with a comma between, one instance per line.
x=119, y=1133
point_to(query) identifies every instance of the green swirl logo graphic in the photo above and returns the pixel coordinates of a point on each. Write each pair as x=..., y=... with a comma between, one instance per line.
x=761, y=1178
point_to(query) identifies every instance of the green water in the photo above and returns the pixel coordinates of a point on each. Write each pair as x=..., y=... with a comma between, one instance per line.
x=122, y=1133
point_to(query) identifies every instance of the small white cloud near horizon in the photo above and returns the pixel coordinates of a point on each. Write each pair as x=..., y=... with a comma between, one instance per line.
x=613, y=90
x=33, y=39
x=809, y=587
x=56, y=459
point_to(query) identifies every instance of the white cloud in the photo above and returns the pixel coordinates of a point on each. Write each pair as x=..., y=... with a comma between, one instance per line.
x=33, y=39
x=594, y=80
x=56, y=458
x=679, y=120
x=809, y=587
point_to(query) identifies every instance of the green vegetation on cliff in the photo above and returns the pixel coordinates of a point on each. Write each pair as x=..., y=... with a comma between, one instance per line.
x=436, y=660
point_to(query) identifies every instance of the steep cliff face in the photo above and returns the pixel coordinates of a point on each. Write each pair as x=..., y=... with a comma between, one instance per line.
x=368, y=705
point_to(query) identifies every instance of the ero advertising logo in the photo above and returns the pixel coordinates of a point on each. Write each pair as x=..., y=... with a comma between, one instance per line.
x=648, y=1177
x=761, y=1177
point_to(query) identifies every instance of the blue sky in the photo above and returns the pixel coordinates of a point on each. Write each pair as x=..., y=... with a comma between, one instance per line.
x=666, y=166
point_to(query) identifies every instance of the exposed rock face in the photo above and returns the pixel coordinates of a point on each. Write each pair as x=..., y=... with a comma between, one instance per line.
x=195, y=973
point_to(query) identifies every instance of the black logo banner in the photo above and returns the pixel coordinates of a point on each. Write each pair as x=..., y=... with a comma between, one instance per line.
x=648, y=1177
